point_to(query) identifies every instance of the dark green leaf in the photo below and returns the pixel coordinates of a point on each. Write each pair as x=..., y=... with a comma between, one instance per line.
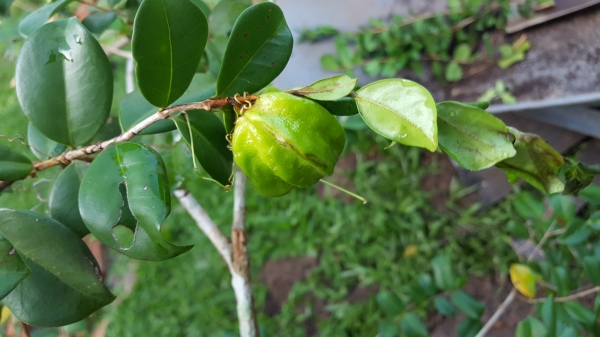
x=576, y=232
x=474, y=138
x=215, y=49
x=400, y=110
x=530, y=327
x=345, y=106
x=64, y=82
x=208, y=143
x=109, y=130
x=4, y=5
x=64, y=198
x=591, y=266
x=65, y=284
x=594, y=221
x=135, y=108
x=258, y=49
x=564, y=207
x=328, y=89
x=469, y=327
x=168, y=42
x=41, y=146
x=443, y=273
x=126, y=185
x=412, y=326
x=12, y=268
x=97, y=23
x=224, y=15
x=467, y=304
x=536, y=162
x=203, y=7
x=40, y=16
x=548, y=315
x=13, y=165
x=597, y=305
x=443, y=306
x=453, y=72
x=390, y=303
x=579, y=313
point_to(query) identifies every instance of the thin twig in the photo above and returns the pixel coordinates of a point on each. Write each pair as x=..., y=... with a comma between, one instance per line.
x=79, y=154
x=566, y=298
x=235, y=254
x=205, y=223
x=240, y=281
x=498, y=313
x=511, y=296
x=129, y=75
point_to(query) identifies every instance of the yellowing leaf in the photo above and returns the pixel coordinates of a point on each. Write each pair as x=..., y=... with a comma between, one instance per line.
x=4, y=315
x=411, y=250
x=523, y=278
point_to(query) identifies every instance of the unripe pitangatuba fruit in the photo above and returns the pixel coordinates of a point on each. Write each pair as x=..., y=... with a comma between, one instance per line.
x=284, y=141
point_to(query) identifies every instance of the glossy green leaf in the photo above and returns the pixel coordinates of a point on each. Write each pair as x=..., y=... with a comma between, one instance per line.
x=387, y=329
x=548, y=315
x=400, y=110
x=411, y=326
x=65, y=284
x=528, y=206
x=469, y=327
x=97, y=23
x=467, y=304
x=563, y=207
x=579, y=313
x=258, y=49
x=391, y=304
x=536, y=162
x=13, y=165
x=64, y=82
x=135, y=108
x=591, y=267
x=42, y=146
x=530, y=327
x=223, y=16
x=576, y=232
x=443, y=306
x=328, y=89
x=453, y=72
x=443, y=273
x=345, y=106
x=210, y=146
x=64, y=198
x=474, y=138
x=12, y=268
x=40, y=16
x=126, y=185
x=168, y=42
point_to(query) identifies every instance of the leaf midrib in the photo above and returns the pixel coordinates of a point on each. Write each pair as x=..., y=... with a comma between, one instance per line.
x=251, y=57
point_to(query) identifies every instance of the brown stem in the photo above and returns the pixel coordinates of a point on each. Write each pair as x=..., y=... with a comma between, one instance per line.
x=84, y=153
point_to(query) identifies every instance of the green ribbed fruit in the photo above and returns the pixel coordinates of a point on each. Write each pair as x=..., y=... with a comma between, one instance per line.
x=284, y=141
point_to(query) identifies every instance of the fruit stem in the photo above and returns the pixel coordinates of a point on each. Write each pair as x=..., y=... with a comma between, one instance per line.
x=364, y=201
